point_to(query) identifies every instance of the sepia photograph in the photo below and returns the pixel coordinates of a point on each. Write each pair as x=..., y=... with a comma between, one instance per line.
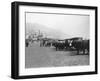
x=56, y=39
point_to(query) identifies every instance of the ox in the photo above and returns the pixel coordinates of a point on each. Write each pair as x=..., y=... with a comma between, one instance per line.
x=80, y=45
x=61, y=44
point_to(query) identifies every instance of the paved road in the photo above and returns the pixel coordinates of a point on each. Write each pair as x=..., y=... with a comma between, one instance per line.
x=37, y=56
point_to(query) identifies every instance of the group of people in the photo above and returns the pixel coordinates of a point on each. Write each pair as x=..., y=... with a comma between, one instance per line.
x=75, y=43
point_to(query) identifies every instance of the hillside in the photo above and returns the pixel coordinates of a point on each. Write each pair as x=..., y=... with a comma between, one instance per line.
x=47, y=31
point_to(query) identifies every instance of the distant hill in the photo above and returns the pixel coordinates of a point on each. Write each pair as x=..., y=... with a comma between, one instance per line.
x=47, y=31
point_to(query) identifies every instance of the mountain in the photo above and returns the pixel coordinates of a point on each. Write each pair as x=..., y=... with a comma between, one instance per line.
x=47, y=31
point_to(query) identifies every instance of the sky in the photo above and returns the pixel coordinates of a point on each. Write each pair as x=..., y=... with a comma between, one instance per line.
x=72, y=24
